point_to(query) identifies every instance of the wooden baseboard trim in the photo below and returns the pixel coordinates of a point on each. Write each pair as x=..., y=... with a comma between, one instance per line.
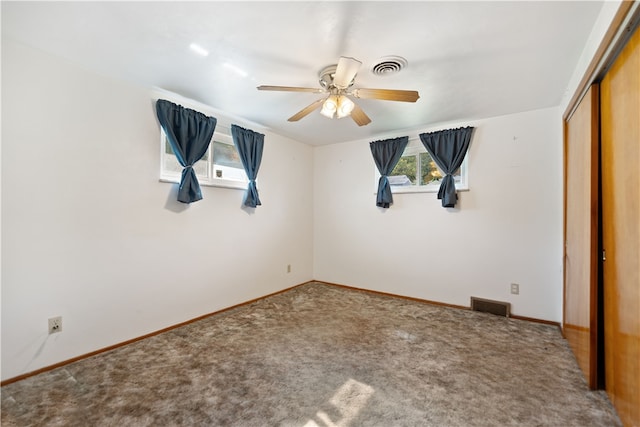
x=387, y=294
x=149, y=335
x=133, y=340
x=534, y=320
x=442, y=304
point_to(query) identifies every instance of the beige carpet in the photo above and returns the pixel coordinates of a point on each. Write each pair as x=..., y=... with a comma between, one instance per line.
x=320, y=355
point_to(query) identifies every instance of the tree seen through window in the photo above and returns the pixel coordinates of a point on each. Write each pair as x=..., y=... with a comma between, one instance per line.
x=410, y=165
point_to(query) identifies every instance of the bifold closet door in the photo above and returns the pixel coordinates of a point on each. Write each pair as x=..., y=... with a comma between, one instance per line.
x=620, y=118
x=581, y=233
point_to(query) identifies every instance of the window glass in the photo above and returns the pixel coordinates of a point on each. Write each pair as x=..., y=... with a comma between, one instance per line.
x=220, y=166
x=417, y=172
x=405, y=171
x=226, y=162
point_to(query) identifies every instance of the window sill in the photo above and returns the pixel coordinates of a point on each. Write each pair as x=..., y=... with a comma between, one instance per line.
x=222, y=183
x=413, y=189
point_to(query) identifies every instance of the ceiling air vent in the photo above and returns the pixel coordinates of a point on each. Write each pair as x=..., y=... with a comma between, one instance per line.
x=389, y=65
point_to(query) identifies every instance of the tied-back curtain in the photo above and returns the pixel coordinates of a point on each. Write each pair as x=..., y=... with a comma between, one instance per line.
x=448, y=148
x=386, y=154
x=189, y=133
x=249, y=145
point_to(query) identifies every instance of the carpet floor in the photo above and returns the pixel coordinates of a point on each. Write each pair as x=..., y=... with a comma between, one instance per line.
x=318, y=356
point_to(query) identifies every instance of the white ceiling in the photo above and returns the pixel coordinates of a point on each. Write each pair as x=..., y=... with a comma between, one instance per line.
x=468, y=60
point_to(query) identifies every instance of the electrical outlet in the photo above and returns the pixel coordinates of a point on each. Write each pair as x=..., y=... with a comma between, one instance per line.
x=288, y=268
x=515, y=288
x=55, y=324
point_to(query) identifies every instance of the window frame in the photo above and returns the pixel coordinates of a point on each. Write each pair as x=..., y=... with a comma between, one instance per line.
x=210, y=180
x=415, y=148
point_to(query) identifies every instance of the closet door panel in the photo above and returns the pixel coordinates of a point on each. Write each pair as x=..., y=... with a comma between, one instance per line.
x=581, y=234
x=620, y=118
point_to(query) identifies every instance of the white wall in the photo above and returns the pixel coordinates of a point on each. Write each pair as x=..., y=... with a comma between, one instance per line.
x=507, y=228
x=90, y=234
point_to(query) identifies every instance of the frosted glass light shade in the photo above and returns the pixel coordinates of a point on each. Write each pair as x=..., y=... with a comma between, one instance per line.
x=345, y=107
x=330, y=106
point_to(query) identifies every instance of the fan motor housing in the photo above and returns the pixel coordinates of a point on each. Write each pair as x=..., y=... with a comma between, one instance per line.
x=326, y=76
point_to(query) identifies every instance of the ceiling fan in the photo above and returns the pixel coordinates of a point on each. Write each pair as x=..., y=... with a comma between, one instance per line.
x=337, y=81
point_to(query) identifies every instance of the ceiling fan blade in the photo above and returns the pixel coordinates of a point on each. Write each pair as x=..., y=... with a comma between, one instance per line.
x=359, y=116
x=300, y=114
x=387, y=94
x=345, y=72
x=291, y=89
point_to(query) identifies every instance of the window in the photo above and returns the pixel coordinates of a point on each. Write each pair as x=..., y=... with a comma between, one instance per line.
x=220, y=166
x=417, y=172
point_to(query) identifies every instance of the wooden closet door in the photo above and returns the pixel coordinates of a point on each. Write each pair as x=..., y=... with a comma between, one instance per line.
x=581, y=234
x=620, y=104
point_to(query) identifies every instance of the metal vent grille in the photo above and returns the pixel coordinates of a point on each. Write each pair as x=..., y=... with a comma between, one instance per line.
x=389, y=65
x=498, y=308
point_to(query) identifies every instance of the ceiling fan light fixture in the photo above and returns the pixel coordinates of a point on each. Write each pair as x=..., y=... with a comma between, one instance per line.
x=345, y=107
x=337, y=106
x=330, y=106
